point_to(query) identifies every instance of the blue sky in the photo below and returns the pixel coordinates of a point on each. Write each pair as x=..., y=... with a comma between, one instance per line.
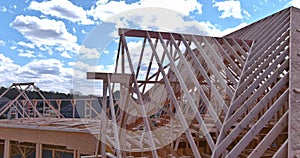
x=42, y=41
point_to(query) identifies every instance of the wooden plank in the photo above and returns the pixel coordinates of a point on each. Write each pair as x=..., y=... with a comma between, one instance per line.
x=140, y=59
x=163, y=57
x=23, y=84
x=195, y=81
x=201, y=91
x=149, y=68
x=113, y=77
x=114, y=122
x=152, y=34
x=48, y=103
x=143, y=111
x=174, y=101
x=268, y=41
x=257, y=94
x=203, y=72
x=218, y=61
x=229, y=111
x=282, y=151
x=7, y=90
x=241, y=50
x=23, y=93
x=268, y=25
x=294, y=84
x=247, y=94
x=210, y=63
x=118, y=56
x=233, y=52
x=38, y=150
x=7, y=149
x=9, y=104
x=234, y=133
x=103, y=126
x=270, y=137
x=257, y=127
x=252, y=72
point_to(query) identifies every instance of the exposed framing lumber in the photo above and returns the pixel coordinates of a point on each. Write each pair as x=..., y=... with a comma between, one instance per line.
x=240, y=87
x=282, y=151
x=193, y=77
x=238, y=129
x=169, y=88
x=114, y=122
x=242, y=144
x=294, y=124
x=146, y=121
x=270, y=137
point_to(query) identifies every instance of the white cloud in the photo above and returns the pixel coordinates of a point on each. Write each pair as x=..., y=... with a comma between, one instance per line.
x=66, y=55
x=84, y=67
x=3, y=9
x=8, y=68
x=155, y=19
x=13, y=47
x=29, y=45
x=44, y=33
x=27, y=54
x=5, y=60
x=106, y=9
x=80, y=83
x=48, y=74
x=295, y=3
x=148, y=14
x=64, y=9
x=216, y=32
x=135, y=48
x=88, y=53
x=45, y=66
x=2, y=43
x=83, y=32
x=230, y=8
x=246, y=13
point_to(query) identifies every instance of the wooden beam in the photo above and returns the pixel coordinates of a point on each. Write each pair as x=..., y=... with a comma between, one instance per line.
x=261, y=46
x=265, y=59
x=282, y=151
x=114, y=122
x=246, y=95
x=23, y=84
x=210, y=63
x=258, y=126
x=174, y=100
x=294, y=84
x=114, y=77
x=238, y=129
x=140, y=99
x=38, y=150
x=184, y=87
x=270, y=137
x=6, y=148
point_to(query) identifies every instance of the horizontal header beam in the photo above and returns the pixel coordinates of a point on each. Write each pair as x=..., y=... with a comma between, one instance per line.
x=165, y=35
x=114, y=77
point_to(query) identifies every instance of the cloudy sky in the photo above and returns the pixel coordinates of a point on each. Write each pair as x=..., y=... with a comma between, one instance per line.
x=42, y=41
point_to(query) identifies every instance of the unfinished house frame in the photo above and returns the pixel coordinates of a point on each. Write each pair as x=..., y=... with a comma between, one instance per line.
x=190, y=95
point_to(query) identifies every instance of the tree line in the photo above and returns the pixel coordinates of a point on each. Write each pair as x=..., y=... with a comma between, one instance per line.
x=13, y=93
